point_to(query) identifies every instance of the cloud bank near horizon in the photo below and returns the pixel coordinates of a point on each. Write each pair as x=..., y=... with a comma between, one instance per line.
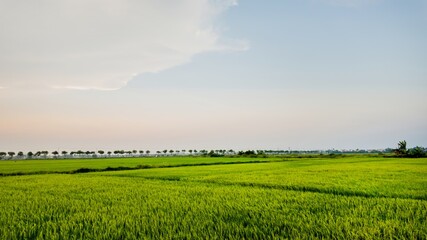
x=103, y=44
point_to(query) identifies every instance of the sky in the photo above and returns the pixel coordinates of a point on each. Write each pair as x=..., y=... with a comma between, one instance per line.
x=212, y=74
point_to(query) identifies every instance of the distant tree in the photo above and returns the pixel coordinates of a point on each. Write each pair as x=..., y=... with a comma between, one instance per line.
x=246, y=153
x=417, y=152
x=109, y=153
x=55, y=153
x=171, y=151
x=64, y=153
x=141, y=151
x=147, y=152
x=100, y=152
x=134, y=151
x=388, y=150
x=45, y=153
x=20, y=154
x=401, y=148
x=190, y=151
x=165, y=151
x=30, y=154
x=11, y=154
x=2, y=155
x=213, y=153
x=158, y=152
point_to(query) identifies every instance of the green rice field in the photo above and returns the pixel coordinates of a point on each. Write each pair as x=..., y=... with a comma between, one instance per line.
x=355, y=197
x=24, y=167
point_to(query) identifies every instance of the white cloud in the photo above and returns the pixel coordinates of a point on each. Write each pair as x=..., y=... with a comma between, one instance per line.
x=94, y=44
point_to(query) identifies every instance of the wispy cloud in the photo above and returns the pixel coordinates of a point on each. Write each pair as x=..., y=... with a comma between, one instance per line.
x=102, y=44
x=84, y=88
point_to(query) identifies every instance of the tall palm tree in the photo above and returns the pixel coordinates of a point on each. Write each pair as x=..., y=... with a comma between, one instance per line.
x=402, y=145
x=401, y=148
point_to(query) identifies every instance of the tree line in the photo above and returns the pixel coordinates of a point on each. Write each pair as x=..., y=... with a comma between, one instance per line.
x=415, y=152
x=105, y=154
x=400, y=151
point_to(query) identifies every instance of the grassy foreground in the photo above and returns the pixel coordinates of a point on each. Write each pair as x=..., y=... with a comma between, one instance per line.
x=345, y=198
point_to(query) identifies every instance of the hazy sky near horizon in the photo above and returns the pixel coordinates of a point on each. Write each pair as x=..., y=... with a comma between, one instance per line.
x=210, y=74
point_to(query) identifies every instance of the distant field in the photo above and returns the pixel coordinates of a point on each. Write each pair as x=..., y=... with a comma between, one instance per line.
x=65, y=165
x=345, y=198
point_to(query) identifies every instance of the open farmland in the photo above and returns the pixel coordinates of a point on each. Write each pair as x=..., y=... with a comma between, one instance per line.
x=346, y=198
x=27, y=167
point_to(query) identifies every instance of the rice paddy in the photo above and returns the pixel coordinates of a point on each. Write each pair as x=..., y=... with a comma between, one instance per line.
x=276, y=198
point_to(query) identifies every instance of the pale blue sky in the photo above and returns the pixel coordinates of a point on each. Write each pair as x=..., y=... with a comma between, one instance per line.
x=309, y=74
x=310, y=44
